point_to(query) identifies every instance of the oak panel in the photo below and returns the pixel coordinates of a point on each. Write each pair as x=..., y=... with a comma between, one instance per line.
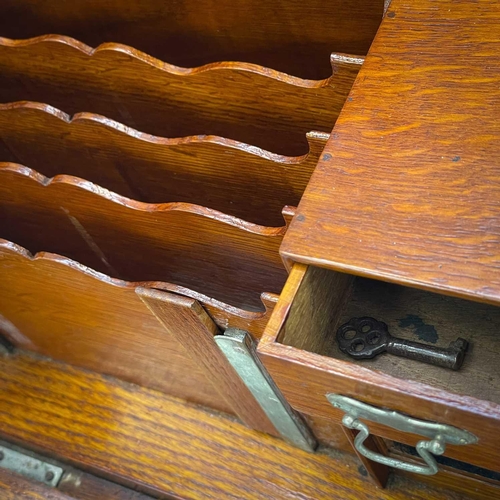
x=211, y=171
x=408, y=187
x=59, y=308
x=186, y=320
x=286, y=35
x=239, y=101
x=142, y=437
x=209, y=252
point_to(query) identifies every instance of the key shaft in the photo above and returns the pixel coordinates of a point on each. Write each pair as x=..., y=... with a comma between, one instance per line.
x=451, y=357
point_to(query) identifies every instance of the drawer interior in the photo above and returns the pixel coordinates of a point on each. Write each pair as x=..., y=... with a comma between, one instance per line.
x=411, y=314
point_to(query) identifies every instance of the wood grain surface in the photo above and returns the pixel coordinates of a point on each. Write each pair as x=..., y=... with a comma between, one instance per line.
x=218, y=173
x=209, y=252
x=141, y=437
x=286, y=35
x=240, y=101
x=74, y=485
x=185, y=320
x=305, y=378
x=408, y=187
x=83, y=486
x=61, y=309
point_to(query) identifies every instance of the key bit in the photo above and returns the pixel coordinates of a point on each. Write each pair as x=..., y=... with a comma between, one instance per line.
x=365, y=338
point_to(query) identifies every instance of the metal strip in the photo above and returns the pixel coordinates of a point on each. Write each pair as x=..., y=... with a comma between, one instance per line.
x=239, y=349
x=30, y=467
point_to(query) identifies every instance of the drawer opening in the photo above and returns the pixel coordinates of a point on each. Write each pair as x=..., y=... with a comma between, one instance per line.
x=327, y=299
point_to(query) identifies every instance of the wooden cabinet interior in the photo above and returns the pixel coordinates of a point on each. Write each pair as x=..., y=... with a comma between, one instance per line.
x=128, y=163
x=410, y=314
x=251, y=104
x=59, y=308
x=176, y=242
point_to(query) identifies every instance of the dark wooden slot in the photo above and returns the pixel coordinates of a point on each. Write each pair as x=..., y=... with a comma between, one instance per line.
x=239, y=101
x=59, y=308
x=288, y=35
x=215, y=254
x=410, y=451
x=218, y=173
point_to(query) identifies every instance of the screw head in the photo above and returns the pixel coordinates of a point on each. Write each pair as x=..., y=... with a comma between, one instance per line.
x=49, y=475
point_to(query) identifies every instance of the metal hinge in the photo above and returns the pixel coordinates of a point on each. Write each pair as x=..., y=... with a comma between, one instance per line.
x=30, y=467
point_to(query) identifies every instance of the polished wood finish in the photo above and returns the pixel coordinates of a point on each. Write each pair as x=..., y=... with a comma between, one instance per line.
x=159, y=444
x=312, y=312
x=286, y=35
x=218, y=173
x=186, y=320
x=212, y=253
x=59, y=308
x=240, y=101
x=408, y=187
x=305, y=378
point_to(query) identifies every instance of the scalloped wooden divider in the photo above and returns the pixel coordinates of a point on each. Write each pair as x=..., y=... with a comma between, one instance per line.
x=221, y=174
x=59, y=308
x=239, y=101
x=292, y=36
x=207, y=251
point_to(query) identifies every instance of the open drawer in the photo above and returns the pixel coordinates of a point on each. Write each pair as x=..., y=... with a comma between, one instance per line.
x=300, y=350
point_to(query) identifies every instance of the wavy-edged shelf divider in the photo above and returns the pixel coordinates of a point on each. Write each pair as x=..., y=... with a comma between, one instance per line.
x=218, y=173
x=59, y=308
x=212, y=253
x=239, y=101
x=288, y=35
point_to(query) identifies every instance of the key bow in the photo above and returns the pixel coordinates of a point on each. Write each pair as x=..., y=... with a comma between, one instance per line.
x=363, y=338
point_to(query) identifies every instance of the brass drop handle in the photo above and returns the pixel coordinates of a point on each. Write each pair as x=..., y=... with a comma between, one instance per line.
x=439, y=434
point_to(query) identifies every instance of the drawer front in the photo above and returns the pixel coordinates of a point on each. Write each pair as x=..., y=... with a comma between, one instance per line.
x=302, y=329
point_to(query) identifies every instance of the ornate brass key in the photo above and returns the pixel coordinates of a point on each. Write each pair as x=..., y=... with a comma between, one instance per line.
x=364, y=338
